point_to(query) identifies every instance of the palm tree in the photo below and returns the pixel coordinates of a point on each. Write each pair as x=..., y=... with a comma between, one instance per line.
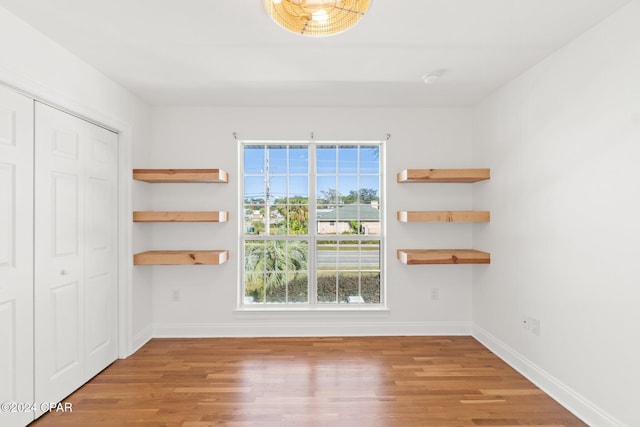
x=271, y=264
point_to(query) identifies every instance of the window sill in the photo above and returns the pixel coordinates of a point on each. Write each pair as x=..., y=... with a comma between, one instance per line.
x=351, y=308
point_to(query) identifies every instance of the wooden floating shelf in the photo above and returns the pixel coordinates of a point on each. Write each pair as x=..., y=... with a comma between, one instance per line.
x=444, y=216
x=180, y=216
x=443, y=175
x=181, y=175
x=443, y=256
x=214, y=257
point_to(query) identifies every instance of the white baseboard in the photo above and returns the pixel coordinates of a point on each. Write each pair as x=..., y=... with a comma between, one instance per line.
x=299, y=329
x=563, y=394
x=141, y=338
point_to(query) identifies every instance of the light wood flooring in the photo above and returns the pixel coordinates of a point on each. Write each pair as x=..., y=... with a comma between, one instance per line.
x=359, y=382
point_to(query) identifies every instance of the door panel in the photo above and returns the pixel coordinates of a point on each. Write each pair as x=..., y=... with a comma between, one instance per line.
x=101, y=250
x=64, y=214
x=76, y=259
x=16, y=254
x=59, y=272
x=8, y=111
x=98, y=230
x=98, y=336
x=65, y=144
x=7, y=215
x=66, y=325
x=8, y=357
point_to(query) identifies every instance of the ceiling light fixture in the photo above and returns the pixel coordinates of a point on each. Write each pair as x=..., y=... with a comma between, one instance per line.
x=316, y=17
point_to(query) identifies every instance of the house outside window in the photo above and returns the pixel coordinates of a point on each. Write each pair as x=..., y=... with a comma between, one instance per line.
x=312, y=224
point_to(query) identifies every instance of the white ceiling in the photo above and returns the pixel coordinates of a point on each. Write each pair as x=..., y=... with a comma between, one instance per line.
x=230, y=53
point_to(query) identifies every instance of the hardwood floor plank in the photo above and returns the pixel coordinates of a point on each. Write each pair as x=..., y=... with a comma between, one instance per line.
x=333, y=382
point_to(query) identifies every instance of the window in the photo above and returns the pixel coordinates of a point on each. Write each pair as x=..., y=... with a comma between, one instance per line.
x=312, y=216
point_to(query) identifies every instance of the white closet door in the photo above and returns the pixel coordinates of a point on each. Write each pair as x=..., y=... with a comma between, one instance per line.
x=101, y=231
x=16, y=254
x=76, y=266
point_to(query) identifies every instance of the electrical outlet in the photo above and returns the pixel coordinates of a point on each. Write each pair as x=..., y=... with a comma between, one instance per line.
x=175, y=295
x=530, y=324
x=435, y=294
x=535, y=326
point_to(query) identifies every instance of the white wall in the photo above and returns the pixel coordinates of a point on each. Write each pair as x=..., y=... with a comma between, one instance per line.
x=202, y=138
x=32, y=63
x=563, y=142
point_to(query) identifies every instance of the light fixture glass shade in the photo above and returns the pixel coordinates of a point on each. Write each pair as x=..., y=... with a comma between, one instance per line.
x=316, y=17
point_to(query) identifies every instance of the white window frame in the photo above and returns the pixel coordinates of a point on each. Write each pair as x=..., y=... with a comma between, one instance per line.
x=313, y=235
